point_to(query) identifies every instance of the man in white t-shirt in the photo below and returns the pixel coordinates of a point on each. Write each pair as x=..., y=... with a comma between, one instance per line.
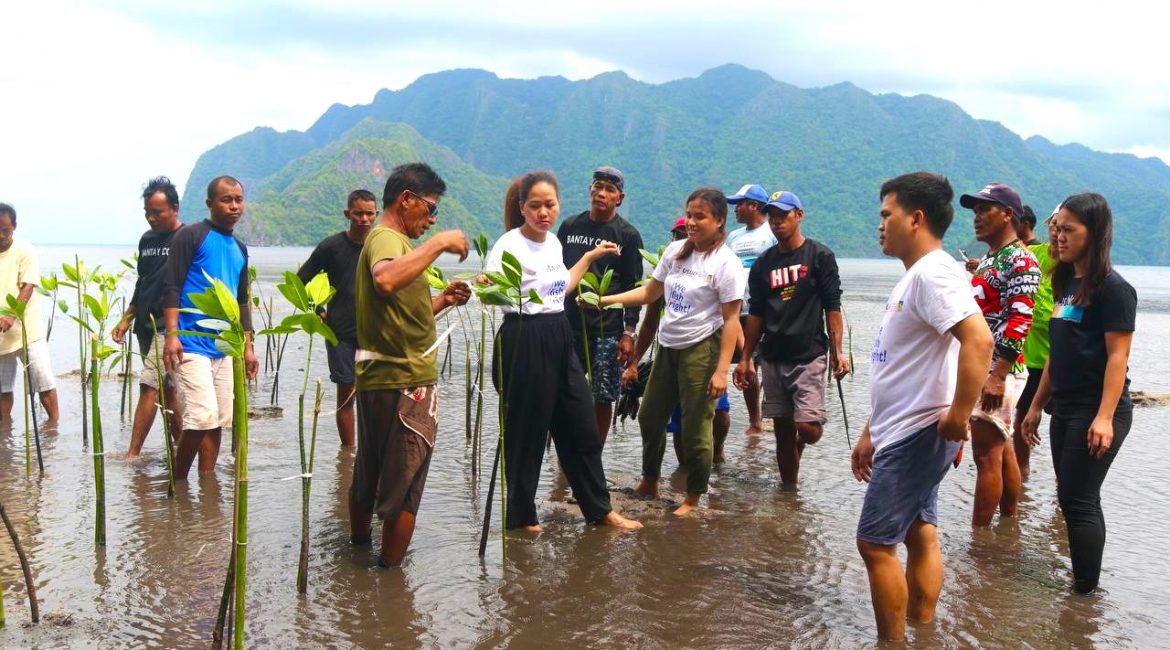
x=19, y=276
x=748, y=243
x=929, y=361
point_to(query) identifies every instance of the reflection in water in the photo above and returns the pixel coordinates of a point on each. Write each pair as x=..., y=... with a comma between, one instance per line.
x=761, y=566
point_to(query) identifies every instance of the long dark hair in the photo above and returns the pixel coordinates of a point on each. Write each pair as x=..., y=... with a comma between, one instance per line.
x=715, y=200
x=1092, y=210
x=518, y=193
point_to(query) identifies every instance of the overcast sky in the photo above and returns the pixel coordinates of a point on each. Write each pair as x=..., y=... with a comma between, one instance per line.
x=90, y=91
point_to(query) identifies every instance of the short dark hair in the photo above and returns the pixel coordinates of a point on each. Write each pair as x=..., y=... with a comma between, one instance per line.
x=360, y=195
x=164, y=185
x=6, y=209
x=213, y=186
x=932, y=193
x=416, y=177
x=1029, y=216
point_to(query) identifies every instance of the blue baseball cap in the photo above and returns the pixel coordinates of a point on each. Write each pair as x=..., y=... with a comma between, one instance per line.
x=785, y=201
x=750, y=192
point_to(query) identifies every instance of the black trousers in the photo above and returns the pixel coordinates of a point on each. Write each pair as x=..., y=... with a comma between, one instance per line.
x=1079, y=477
x=544, y=390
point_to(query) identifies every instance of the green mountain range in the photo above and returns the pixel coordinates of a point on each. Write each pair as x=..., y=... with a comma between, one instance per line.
x=833, y=146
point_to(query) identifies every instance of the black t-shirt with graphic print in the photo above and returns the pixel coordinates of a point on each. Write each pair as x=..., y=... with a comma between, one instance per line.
x=1077, y=353
x=791, y=290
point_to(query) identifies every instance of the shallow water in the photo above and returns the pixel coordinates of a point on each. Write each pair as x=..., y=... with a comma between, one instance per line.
x=761, y=566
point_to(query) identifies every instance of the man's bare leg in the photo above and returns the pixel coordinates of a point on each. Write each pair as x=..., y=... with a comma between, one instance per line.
x=1009, y=501
x=359, y=523
x=751, y=395
x=176, y=410
x=887, y=589
x=209, y=451
x=987, y=445
x=603, y=412
x=192, y=443
x=719, y=428
x=1023, y=452
x=345, y=400
x=49, y=402
x=396, y=538
x=924, y=571
x=788, y=449
x=6, y=400
x=143, y=419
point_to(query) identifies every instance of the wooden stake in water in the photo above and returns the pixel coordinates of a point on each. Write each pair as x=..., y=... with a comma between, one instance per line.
x=30, y=585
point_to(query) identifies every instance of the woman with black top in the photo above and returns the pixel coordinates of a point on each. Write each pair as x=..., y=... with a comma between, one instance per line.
x=1085, y=377
x=535, y=366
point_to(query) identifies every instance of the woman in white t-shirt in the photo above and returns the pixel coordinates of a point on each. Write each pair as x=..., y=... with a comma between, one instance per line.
x=703, y=283
x=535, y=366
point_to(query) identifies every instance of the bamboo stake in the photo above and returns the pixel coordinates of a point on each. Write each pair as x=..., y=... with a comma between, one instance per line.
x=30, y=585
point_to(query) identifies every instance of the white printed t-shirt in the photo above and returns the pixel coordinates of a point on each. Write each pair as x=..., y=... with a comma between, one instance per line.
x=748, y=244
x=18, y=265
x=914, y=364
x=694, y=290
x=542, y=268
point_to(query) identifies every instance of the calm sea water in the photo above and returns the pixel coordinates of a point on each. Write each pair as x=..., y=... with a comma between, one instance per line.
x=761, y=566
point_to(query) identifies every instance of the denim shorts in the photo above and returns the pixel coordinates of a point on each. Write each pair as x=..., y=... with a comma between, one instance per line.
x=904, y=486
x=607, y=370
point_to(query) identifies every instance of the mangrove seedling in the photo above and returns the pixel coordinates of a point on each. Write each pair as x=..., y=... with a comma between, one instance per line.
x=219, y=305
x=306, y=300
x=16, y=309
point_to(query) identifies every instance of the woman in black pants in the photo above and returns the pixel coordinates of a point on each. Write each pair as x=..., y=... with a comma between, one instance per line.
x=535, y=366
x=1090, y=333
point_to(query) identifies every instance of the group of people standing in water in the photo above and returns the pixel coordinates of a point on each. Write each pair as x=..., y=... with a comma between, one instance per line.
x=977, y=355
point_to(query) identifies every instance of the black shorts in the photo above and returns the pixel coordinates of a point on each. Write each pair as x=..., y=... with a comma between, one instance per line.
x=1029, y=392
x=341, y=362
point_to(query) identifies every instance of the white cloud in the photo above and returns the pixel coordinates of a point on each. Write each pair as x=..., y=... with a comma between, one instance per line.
x=100, y=97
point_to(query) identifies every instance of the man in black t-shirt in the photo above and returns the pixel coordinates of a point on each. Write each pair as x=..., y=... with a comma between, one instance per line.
x=161, y=205
x=794, y=290
x=337, y=256
x=610, y=332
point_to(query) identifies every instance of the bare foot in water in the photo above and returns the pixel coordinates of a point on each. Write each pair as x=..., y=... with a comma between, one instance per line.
x=689, y=504
x=647, y=489
x=754, y=429
x=620, y=522
x=534, y=528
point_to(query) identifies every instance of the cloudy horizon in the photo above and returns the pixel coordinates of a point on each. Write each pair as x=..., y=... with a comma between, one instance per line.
x=101, y=97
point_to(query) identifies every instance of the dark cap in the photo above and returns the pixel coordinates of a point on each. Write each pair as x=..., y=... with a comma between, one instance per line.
x=996, y=193
x=612, y=175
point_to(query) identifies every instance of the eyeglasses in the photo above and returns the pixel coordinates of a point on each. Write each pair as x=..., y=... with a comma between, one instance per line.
x=432, y=207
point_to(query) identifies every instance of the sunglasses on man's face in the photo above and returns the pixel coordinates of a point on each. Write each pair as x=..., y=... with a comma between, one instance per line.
x=432, y=207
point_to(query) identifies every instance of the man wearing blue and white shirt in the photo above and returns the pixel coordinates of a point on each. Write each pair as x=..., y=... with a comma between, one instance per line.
x=748, y=243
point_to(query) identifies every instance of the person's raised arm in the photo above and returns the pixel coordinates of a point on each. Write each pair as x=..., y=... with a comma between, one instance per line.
x=391, y=275
x=582, y=265
x=975, y=348
x=643, y=295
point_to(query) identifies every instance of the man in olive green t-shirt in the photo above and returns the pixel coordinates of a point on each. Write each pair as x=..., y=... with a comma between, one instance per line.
x=395, y=368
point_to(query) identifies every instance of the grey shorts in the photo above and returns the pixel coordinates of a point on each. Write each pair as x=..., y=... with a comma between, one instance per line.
x=341, y=361
x=904, y=486
x=39, y=369
x=794, y=390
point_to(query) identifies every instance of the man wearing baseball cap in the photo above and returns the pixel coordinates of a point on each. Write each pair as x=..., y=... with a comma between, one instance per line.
x=795, y=290
x=609, y=332
x=1004, y=284
x=748, y=243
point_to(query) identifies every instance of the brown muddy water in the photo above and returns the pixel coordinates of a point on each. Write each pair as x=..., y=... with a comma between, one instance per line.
x=760, y=566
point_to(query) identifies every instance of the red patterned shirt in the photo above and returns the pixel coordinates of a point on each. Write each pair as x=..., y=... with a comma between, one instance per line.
x=1005, y=284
